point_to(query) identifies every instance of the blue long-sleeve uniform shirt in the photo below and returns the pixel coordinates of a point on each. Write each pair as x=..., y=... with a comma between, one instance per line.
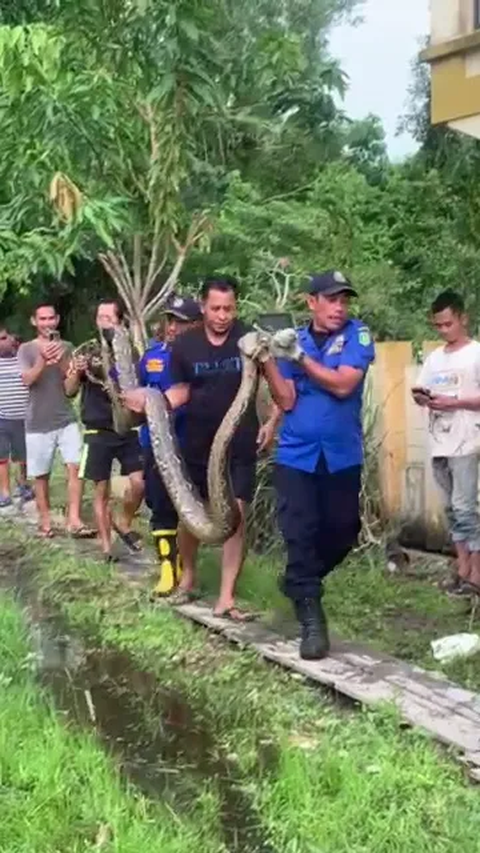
x=154, y=372
x=319, y=422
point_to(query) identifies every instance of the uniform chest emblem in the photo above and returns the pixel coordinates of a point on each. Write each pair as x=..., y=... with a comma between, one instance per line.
x=337, y=345
x=155, y=365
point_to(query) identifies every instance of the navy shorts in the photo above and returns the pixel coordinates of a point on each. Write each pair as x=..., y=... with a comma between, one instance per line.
x=242, y=474
x=102, y=447
x=12, y=441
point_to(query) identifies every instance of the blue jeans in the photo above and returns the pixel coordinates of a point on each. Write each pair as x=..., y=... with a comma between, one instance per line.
x=457, y=478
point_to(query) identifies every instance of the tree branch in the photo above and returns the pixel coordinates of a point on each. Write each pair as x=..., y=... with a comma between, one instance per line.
x=195, y=232
x=137, y=266
x=167, y=288
x=152, y=276
x=111, y=266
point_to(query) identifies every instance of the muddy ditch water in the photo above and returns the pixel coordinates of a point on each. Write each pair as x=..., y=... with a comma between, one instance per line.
x=160, y=743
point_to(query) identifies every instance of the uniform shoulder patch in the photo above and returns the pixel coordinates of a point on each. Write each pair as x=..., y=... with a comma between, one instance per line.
x=364, y=336
x=155, y=365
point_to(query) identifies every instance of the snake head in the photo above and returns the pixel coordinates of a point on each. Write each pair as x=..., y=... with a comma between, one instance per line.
x=256, y=346
x=285, y=345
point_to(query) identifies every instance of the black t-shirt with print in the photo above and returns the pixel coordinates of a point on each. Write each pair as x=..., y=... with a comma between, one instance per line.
x=213, y=374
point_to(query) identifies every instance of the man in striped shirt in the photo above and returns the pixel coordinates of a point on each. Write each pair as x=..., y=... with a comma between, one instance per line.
x=13, y=405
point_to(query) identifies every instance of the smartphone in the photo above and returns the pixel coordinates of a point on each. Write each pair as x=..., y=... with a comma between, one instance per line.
x=53, y=335
x=275, y=322
x=425, y=392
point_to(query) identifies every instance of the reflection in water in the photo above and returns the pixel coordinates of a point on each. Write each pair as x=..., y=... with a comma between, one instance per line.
x=161, y=746
x=159, y=742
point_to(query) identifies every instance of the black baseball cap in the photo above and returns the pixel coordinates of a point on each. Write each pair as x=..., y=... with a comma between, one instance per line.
x=329, y=284
x=184, y=308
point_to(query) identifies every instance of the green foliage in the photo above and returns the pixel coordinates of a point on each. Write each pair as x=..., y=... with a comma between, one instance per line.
x=214, y=131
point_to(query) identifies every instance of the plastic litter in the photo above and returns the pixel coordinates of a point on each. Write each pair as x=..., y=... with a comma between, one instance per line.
x=456, y=646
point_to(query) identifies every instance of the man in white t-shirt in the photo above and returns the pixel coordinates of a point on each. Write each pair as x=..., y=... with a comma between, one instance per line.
x=449, y=386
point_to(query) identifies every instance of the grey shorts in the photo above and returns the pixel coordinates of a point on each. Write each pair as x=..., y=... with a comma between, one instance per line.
x=12, y=440
x=42, y=446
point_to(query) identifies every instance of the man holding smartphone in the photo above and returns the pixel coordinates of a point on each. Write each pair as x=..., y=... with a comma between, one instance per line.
x=50, y=422
x=449, y=387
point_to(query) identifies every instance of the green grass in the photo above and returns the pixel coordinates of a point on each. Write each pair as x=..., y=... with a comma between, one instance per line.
x=59, y=791
x=334, y=781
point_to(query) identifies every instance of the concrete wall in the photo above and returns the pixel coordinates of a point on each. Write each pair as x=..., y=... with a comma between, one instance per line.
x=450, y=19
x=409, y=495
x=454, y=55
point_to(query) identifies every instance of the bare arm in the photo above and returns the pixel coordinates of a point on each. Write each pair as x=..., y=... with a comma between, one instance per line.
x=178, y=395
x=73, y=379
x=443, y=403
x=268, y=430
x=281, y=389
x=471, y=404
x=275, y=416
x=32, y=374
x=72, y=383
x=64, y=362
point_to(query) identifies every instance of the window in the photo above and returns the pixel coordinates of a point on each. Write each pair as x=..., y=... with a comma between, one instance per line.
x=476, y=14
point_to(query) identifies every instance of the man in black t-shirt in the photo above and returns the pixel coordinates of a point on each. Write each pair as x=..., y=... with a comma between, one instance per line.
x=103, y=445
x=206, y=371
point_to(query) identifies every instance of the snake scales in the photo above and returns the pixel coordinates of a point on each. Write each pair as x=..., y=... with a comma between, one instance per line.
x=216, y=521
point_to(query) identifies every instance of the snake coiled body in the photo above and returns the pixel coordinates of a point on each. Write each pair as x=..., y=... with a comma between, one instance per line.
x=216, y=521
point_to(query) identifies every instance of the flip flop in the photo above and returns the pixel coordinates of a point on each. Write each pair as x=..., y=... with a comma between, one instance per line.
x=453, y=587
x=46, y=534
x=180, y=596
x=236, y=615
x=132, y=539
x=83, y=532
x=469, y=588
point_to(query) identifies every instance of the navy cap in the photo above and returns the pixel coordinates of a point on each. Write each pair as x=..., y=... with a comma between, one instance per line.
x=183, y=308
x=329, y=284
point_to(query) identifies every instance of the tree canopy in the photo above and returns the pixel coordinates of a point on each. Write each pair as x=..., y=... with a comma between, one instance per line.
x=151, y=142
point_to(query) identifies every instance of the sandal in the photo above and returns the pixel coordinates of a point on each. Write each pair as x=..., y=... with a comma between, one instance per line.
x=181, y=596
x=453, y=586
x=82, y=532
x=235, y=615
x=110, y=560
x=46, y=534
x=469, y=588
x=132, y=539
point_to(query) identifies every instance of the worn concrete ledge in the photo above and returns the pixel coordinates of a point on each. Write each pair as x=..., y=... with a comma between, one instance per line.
x=427, y=700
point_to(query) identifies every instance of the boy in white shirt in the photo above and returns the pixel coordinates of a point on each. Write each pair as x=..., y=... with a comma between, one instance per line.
x=449, y=386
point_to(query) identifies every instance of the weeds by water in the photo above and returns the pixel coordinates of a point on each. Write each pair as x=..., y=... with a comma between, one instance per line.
x=324, y=780
x=59, y=791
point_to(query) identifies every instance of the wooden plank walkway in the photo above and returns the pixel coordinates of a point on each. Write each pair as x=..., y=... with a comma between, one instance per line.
x=427, y=700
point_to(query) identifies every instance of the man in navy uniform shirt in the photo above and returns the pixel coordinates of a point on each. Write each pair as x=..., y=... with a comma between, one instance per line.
x=154, y=372
x=318, y=385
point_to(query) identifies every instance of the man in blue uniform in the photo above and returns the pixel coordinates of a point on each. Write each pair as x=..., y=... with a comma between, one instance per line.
x=154, y=372
x=318, y=385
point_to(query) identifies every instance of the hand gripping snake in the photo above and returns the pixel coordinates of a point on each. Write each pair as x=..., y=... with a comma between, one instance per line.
x=216, y=521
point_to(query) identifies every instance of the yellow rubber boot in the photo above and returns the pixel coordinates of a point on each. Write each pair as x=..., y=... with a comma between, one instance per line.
x=166, y=543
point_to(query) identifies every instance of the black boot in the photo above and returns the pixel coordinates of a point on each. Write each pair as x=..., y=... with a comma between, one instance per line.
x=315, y=643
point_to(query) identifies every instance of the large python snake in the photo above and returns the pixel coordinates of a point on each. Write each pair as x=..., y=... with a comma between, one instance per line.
x=99, y=363
x=216, y=521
